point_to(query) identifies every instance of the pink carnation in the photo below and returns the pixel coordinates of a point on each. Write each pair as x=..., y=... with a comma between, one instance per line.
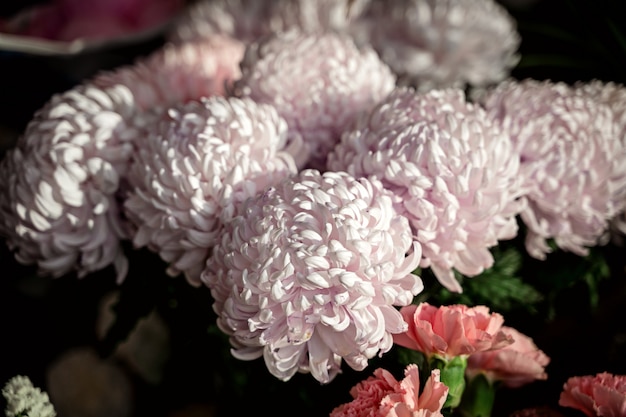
x=58, y=202
x=179, y=73
x=250, y=20
x=383, y=396
x=602, y=395
x=441, y=43
x=309, y=273
x=454, y=174
x=449, y=331
x=573, y=161
x=318, y=83
x=195, y=167
x=515, y=365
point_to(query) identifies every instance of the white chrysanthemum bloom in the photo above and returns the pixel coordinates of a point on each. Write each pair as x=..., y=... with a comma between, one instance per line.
x=58, y=204
x=310, y=272
x=23, y=399
x=195, y=167
x=441, y=43
x=573, y=161
x=454, y=174
x=179, y=73
x=250, y=20
x=318, y=83
x=613, y=95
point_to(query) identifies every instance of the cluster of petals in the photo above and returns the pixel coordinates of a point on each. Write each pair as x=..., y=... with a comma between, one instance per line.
x=382, y=395
x=195, y=166
x=613, y=95
x=602, y=395
x=517, y=364
x=318, y=82
x=250, y=20
x=441, y=43
x=573, y=161
x=309, y=273
x=58, y=203
x=178, y=73
x=450, y=331
x=454, y=172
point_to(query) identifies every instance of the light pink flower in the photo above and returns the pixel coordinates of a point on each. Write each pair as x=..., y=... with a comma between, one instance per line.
x=310, y=272
x=318, y=83
x=449, y=331
x=517, y=364
x=441, y=43
x=602, y=395
x=383, y=396
x=194, y=168
x=179, y=73
x=573, y=161
x=454, y=173
x=250, y=20
x=58, y=203
x=614, y=96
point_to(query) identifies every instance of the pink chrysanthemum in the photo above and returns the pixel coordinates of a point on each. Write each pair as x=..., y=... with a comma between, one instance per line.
x=517, y=364
x=193, y=170
x=602, y=395
x=383, y=396
x=441, y=43
x=450, y=331
x=58, y=204
x=453, y=171
x=250, y=20
x=573, y=161
x=179, y=73
x=614, y=96
x=309, y=274
x=318, y=83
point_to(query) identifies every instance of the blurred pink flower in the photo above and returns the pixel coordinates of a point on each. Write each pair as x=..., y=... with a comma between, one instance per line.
x=58, y=202
x=573, y=161
x=179, y=73
x=250, y=20
x=453, y=172
x=602, y=395
x=194, y=168
x=614, y=96
x=309, y=273
x=449, y=331
x=383, y=396
x=68, y=20
x=318, y=83
x=517, y=364
x=441, y=43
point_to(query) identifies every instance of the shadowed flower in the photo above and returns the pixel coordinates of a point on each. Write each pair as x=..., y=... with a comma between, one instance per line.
x=383, y=396
x=179, y=73
x=58, y=206
x=318, y=83
x=450, y=331
x=602, y=395
x=310, y=272
x=573, y=161
x=515, y=365
x=441, y=43
x=453, y=172
x=197, y=164
x=23, y=399
x=250, y=20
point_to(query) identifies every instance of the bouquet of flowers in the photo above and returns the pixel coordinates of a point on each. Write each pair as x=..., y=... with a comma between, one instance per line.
x=358, y=205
